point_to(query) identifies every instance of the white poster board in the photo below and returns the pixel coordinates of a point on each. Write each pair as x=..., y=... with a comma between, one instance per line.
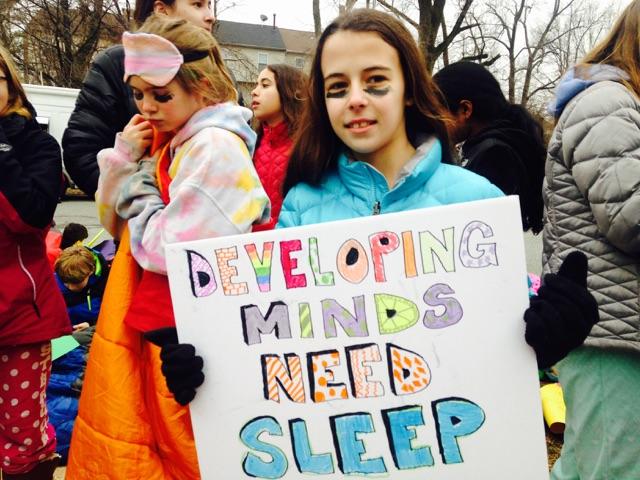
x=387, y=346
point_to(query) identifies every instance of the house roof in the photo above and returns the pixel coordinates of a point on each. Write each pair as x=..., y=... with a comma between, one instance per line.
x=248, y=35
x=298, y=41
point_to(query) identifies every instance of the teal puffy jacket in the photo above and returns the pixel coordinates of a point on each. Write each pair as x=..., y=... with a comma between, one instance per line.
x=356, y=189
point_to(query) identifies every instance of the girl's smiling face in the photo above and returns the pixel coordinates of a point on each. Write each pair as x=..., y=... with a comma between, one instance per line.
x=365, y=95
x=167, y=108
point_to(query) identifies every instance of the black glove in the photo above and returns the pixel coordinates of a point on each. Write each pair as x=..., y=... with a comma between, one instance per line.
x=560, y=317
x=181, y=367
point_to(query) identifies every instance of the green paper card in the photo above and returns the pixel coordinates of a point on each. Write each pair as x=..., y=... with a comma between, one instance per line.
x=62, y=345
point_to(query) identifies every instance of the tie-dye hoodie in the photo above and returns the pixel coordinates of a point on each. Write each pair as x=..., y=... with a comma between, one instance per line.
x=214, y=190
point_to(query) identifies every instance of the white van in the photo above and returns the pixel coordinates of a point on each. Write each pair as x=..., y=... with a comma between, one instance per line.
x=54, y=106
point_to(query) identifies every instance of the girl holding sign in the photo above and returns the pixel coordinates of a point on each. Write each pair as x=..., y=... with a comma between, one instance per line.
x=375, y=141
x=180, y=170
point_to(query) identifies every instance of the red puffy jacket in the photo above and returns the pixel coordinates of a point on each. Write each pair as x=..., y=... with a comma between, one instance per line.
x=31, y=307
x=271, y=159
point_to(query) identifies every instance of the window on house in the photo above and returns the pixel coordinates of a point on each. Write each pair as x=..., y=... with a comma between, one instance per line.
x=300, y=63
x=263, y=61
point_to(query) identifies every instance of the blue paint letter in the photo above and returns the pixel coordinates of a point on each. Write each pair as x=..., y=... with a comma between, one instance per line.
x=306, y=461
x=455, y=417
x=400, y=424
x=350, y=448
x=252, y=464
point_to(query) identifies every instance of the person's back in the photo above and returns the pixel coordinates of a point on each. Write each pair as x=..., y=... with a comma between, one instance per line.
x=500, y=141
x=592, y=199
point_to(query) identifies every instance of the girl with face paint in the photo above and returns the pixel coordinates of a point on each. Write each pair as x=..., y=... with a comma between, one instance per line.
x=375, y=132
x=374, y=140
x=172, y=176
x=105, y=103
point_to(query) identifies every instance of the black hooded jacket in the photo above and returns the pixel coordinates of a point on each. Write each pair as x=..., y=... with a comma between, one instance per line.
x=103, y=108
x=510, y=159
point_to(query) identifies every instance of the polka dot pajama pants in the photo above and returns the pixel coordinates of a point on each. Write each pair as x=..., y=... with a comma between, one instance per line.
x=26, y=436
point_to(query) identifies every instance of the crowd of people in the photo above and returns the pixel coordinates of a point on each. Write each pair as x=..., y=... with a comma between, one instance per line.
x=159, y=138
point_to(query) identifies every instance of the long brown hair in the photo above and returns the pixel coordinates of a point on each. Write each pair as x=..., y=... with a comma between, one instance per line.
x=291, y=84
x=621, y=46
x=208, y=76
x=17, y=102
x=317, y=146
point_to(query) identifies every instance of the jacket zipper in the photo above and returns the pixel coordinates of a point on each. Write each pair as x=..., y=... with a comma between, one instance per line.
x=33, y=282
x=376, y=208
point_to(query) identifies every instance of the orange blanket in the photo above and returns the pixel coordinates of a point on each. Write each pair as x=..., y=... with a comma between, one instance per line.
x=129, y=426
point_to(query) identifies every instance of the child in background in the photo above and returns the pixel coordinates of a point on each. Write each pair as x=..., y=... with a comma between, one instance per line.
x=82, y=275
x=375, y=141
x=31, y=308
x=56, y=241
x=73, y=233
x=500, y=141
x=277, y=102
x=180, y=170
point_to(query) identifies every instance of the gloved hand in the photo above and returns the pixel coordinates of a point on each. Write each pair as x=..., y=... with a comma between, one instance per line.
x=181, y=367
x=560, y=317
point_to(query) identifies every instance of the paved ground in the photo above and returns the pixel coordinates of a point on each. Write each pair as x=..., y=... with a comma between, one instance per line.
x=79, y=210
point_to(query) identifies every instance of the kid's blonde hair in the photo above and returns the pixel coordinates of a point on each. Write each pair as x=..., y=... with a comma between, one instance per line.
x=75, y=264
x=208, y=76
x=621, y=47
x=17, y=98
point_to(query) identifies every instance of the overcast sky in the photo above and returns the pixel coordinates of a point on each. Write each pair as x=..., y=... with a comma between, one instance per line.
x=298, y=14
x=295, y=14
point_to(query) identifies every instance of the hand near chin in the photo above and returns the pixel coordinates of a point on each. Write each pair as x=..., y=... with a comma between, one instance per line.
x=138, y=134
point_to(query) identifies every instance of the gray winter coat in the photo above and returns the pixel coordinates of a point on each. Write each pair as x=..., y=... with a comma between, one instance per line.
x=592, y=198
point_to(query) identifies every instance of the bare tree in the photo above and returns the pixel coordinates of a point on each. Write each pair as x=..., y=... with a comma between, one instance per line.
x=55, y=40
x=317, y=21
x=219, y=6
x=538, y=46
x=430, y=22
x=534, y=42
x=585, y=24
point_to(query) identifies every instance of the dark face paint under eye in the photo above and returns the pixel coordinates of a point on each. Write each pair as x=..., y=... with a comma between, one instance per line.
x=163, y=98
x=340, y=94
x=378, y=92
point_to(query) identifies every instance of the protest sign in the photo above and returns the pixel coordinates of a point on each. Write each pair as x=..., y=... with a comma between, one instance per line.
x=386, y=346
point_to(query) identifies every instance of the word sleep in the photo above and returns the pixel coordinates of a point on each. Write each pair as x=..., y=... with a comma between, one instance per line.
x=453, y=418
x=354, y=261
